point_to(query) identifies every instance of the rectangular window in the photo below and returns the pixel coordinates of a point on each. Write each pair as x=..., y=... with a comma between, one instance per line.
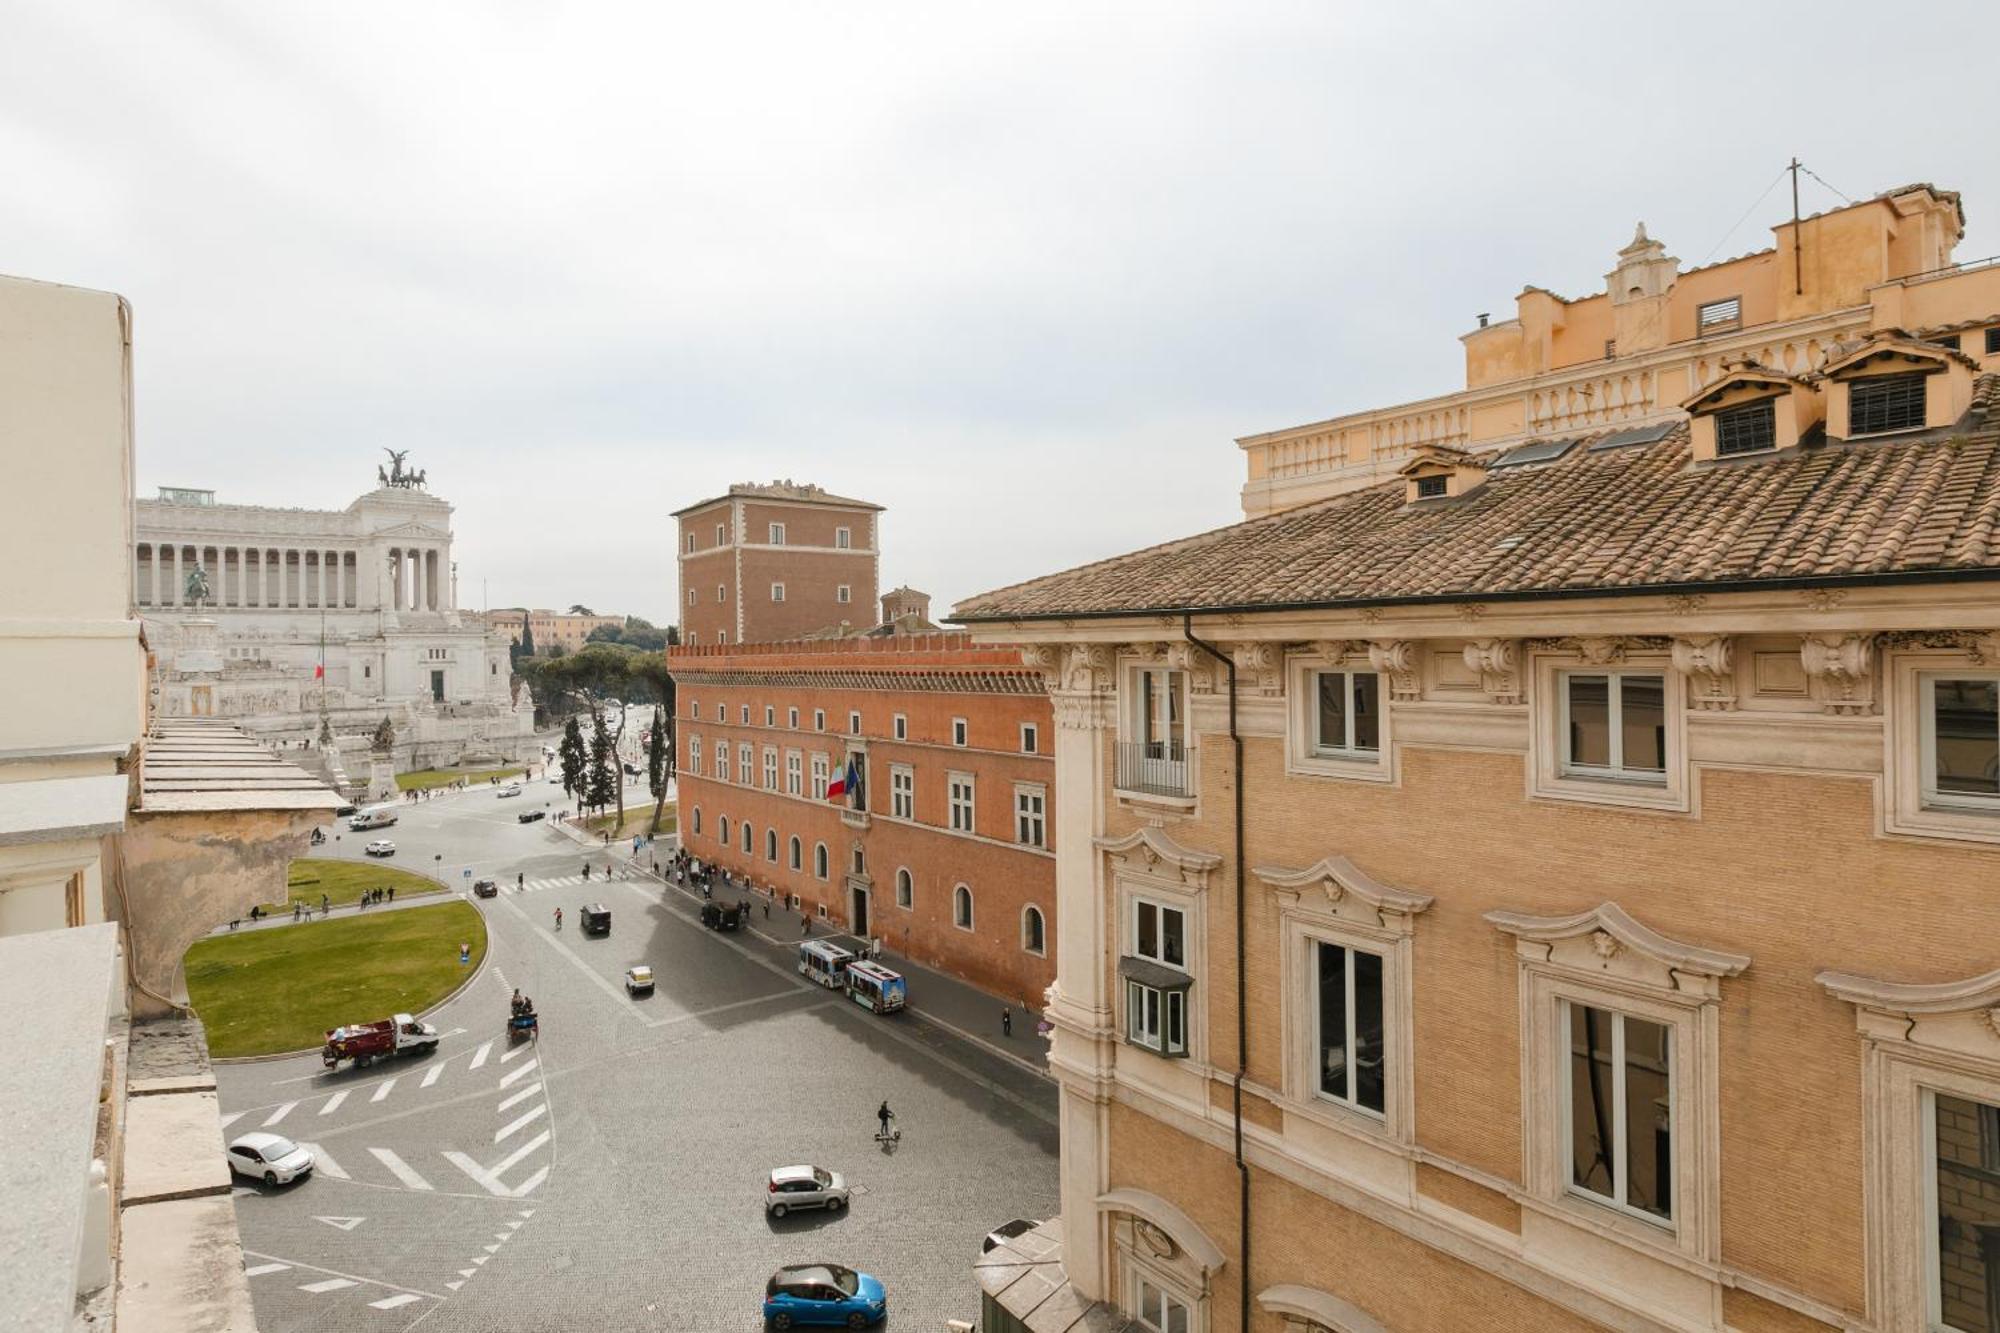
x=1881, y=403
x=820, y=770
x=1160, y=1310
x=1965, y=1197
x=770, y=716
x=819, y=719
x=1347, y=713
x=1348, y=1036
x=902, y=792
x=745, y=774
x=721, y=592
x=1433, y=488
x=1031, y=738
x=722, y=712
x=794, y=786
x=1620, y=1110
x=690, y=543
x=1993, y=342
x=743, y=714
x=853, y=723
x=694, y=754
x=843, y=594
x=1159, y=933
x=1715, y=316
x=721, y=534
x=777, y=534
x=902, y=727
x=692, y=597
x=1615, y=726
x=1950, y=340
x=722, y=760
x=770, y=768
x=842, y=540
x=792, y=718
x=959, y=801
x=777, y=592
x=1961, y=738
x=958, y=731
x=1749, y=429
x=1156, y=978
x=1030, y=816
x=1156, y=1016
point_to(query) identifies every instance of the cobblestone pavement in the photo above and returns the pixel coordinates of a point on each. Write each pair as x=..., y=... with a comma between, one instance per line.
x=611, y=1175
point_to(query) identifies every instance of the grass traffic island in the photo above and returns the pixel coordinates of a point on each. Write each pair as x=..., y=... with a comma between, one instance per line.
x=425, y=778
x=638, y=820
x=344, y=882
x=268, y=991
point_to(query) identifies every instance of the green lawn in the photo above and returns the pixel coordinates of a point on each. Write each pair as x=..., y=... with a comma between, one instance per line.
x=344, y=882
x=638, y=819
x=280, y=989
x=425, y=778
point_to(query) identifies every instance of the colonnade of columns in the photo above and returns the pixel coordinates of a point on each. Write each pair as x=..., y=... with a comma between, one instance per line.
x=418, y=579
x=290, y=577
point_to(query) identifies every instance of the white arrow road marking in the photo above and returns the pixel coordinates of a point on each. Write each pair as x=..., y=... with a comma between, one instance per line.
x=262, y=1269
x=508, y=1131
x=400, y=1169
x=491, y=1249
x=342, y=1223
x=480, y=1259
x=323, y=1163
x=505, y=1056
x=431, y=1075
x=508, y=1080
x=503, y=1236
x=331, y=1284
x=279, y=1114
x=519, y=1097
x=514, y=1226
x=479, y=1056
x=454, y=1286
x=391, y=1302
x=525, y=1212
x=333, y=1102
x=231, y=1118
x=467, y=1272
x=528, y=1186
x=383, y=1090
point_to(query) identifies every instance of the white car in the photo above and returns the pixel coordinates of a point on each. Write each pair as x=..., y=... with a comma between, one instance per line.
x=271, y=1158
x=805, y=1187
x=512, y=789
x=638, y=979
x=380, y=847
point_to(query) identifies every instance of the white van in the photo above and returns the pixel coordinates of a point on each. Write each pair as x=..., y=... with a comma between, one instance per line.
x=375, y=816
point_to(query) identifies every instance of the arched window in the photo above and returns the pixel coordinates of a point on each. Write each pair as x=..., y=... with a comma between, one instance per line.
x=906, y=890
x=1033, y=932
x=961, y=907
x=697, y=819
x=819, y=859
x=722, y=831
x=749, y=839
x=771, y=845
x=795, y=854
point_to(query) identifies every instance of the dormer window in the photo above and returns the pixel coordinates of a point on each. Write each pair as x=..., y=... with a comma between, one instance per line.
x=1749, y=429
x=1432, y=488
x=1879, y=404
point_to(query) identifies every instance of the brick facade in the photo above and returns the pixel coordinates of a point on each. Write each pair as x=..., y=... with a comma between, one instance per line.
x=932, y=683
x=735, y=549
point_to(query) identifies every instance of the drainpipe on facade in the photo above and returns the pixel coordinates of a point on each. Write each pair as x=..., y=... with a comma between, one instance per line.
x=1242, y=1014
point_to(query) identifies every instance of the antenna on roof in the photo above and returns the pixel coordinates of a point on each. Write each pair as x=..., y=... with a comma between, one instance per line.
x=1798, y=263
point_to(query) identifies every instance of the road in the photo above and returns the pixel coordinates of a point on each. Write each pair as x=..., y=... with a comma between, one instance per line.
x=611, y=1175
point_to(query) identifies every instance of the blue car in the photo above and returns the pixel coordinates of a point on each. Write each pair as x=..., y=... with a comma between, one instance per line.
x=806, y=1294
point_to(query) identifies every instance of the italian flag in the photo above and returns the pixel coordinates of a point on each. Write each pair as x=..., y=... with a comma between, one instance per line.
x=838, y=787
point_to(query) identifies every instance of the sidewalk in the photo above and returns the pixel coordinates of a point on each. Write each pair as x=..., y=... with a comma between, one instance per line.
x=939, y=998
x=284, y=917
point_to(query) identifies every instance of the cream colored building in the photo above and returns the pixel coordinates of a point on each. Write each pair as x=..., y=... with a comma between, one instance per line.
x=123, y=838
x=549, y=627
x=1538, y=871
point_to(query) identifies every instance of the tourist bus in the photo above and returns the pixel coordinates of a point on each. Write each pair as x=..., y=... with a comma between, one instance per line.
x=825, y=963
x=875, y=988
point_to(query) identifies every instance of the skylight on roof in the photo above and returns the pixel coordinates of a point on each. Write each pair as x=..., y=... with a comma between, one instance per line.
x=1541, y=451
x=1635, y=435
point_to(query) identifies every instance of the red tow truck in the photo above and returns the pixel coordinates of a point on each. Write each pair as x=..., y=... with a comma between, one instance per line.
x=365, y=1043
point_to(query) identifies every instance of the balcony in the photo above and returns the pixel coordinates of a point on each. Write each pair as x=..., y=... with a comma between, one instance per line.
x=1156, y=768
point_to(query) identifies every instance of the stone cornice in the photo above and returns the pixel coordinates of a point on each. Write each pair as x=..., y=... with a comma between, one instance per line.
x=1339, y=875
x=1611, y=927
x=940, y=681
x=1153, y=844
x=1902, y=997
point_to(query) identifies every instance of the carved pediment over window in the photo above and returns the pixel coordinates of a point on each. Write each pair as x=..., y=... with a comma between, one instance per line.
x=1314, y=1311
x=1960, y=1016
x=1346, y=888
x=1606, y=940
x=1150, y=851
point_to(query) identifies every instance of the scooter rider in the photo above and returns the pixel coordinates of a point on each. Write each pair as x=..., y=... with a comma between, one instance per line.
x=559, y=918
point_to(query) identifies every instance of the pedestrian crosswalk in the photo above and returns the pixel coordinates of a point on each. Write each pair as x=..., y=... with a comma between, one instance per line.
x=326, y=1282
x=565, y=881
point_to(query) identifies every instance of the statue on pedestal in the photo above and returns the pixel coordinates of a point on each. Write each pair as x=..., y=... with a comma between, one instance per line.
x=197, y=589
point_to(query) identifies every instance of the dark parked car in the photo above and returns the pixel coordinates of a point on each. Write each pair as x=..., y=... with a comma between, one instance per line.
x=721, y=916
x=530, y=816
x=343, y=812
x=485, y=888
x=596, y=919
x=634, y=771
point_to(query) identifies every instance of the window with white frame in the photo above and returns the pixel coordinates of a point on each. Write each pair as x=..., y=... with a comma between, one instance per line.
x=853, y=723
x=843, y=594
x=1158, y=1307
x=795, y=850
x=958, y=801
x=1346, y=714
x=1031, y=738
x=1962, y=1180
x=902, y=727
x=819, y=719
x=694, y=754
x=697, y=819
x=1614, y=725
x=749, y=839
x=1031, y=815
x=1620, y=1100
x=722, y=760
x=902, y=792
x=693, y=597
x=777, y=533
x=722, y=831
x=794, y=784
x=771, y=845
x=1034, y=931
x=744, y=773
x=721, y=592
x=1960, y=717
x=770, y=716
x=743, y=714
x=770, y=768
x=722, y=636
x=690, y=543
x=822, y=864
x=820, y=771
x=721, y=534
x=842, y=540
x=906, y=890
x=694, y=709
x=722, y=712
x=961, y=907
x=1154, y=969
x=777, y=592
x=1350, y=1061
x=958, y=731
x=792, y=718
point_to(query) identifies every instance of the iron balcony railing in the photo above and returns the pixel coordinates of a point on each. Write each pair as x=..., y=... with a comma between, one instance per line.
x=1157, y=768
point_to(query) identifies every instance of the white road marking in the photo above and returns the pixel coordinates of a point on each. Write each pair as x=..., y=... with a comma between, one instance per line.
x=467, y=1272
x=480, y=1175
x=383, y=1091
x=500, y=1168
x=503, y=1236
x=262, y=1269
x=350, y=1279
x=333, y=1102
x=342, y=1223
x=431, y=1075
x=528, y=1186
x=231, y=1118
x=479, y=1259
x=525, y=1212
x=279, y=1114
x=454, y=1286
x=514, y=1226
x=323, y=1163
x=509, y=1130
x=479, y=1056
x=331, y=1284
x=391, y=1302
x=519, y=1097
x=510, y=1079
x=400, y=1169
x=510, y=1054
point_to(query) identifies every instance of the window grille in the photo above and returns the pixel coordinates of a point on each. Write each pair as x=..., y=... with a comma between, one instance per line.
x=1884, y=403
x=1748, y=429
x=1714, y=316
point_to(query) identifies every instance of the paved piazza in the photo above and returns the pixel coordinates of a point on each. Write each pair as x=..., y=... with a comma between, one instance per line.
x=611, y=1175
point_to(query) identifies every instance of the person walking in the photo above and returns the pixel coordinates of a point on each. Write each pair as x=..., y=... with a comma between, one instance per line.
x=559, y=918
x=392, y=893
x=805, y=925
x=1006, y=1021
x=325, y=904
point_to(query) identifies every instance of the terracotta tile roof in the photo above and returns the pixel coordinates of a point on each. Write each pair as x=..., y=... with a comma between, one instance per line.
x=1626, y=520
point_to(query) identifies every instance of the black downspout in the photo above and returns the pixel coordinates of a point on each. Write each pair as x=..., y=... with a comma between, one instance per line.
x=1242, y=1014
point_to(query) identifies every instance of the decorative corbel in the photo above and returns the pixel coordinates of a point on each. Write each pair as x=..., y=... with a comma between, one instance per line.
x=1086, y=668
x=1258, y=662
x=1498, y=662
x=1709, y=663
x=1841, y=668
x=1600, y=652
x=1046, y=660
x=1397, y=659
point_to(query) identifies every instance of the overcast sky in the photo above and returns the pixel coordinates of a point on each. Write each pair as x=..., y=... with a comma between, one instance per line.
x=1019, y=272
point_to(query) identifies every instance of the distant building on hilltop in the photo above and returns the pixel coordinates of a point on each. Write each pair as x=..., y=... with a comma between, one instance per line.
x=563, y=629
